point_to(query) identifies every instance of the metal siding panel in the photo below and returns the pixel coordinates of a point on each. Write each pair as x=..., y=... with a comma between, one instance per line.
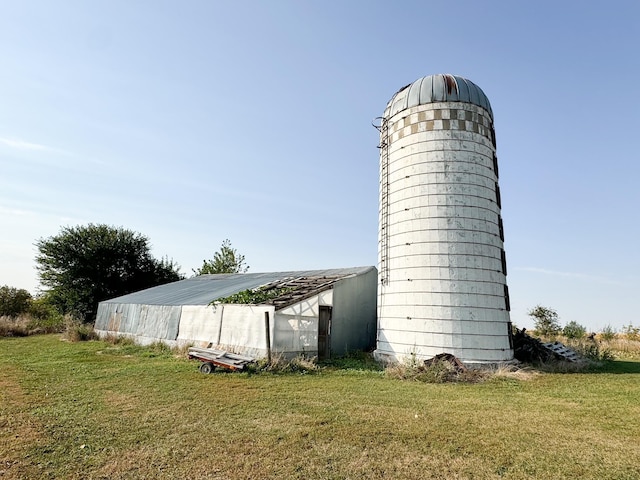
x=158, y=321
x=354, y=313
x=173, y=324
x=131, y=317
x=102, y=317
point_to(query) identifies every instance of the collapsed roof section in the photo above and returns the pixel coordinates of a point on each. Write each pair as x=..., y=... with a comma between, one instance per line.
x=292, y=290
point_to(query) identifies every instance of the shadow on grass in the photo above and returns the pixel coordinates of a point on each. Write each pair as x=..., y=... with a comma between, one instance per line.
x=617, y=366
x=607, y=367
x=362, y=361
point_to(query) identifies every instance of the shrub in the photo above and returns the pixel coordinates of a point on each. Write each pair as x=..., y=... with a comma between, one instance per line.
x=597, y=354
x=45, y=317
x=13, y=301
x=280, y=364
x=608, y=333
x=53, y=324
x=353, y=360
x=158, y=349
x=546, y=321
x=226, y=260
x=76, y=331
x=591, y=350
x=42, y=308
x=436, y=370
x=40, y=318
x=14, y=326
x=118, y=340
x=574, y=330
x=631, y=333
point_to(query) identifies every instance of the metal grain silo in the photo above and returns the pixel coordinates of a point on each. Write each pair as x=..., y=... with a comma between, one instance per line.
x=442, y=269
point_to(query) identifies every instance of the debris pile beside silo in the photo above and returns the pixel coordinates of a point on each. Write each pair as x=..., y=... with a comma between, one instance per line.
x=442, y=368
x=452, y=360
x=532, y=350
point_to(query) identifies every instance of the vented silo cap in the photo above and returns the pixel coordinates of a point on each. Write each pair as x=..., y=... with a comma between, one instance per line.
x=438, y=88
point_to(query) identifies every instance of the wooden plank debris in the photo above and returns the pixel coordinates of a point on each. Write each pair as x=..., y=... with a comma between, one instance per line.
x=454, y=361
x=302, y=288
x=563, y=352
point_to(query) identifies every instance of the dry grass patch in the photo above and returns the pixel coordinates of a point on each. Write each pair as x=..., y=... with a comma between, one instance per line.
x=19, y=430
x=447, y=371
x=14, y=326
x=623, y=347
x=512, y=372
x=26, y=324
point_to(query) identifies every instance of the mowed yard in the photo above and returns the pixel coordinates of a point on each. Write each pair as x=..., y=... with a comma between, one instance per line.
x=93, y=410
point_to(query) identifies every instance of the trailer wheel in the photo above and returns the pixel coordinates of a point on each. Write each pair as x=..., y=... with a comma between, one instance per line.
x=206, y=367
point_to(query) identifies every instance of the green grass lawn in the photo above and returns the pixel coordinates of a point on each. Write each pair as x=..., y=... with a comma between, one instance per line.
x=93, y=410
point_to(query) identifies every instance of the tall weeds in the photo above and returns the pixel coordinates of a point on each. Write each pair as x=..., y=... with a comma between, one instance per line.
x=76, y=331
x=27, y=324
x=280, y=364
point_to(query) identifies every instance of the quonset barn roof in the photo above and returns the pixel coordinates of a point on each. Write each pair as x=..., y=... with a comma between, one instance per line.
x=438, y=88
x=204, y=289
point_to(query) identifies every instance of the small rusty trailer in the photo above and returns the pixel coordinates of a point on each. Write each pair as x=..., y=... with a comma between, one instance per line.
x=212, y=358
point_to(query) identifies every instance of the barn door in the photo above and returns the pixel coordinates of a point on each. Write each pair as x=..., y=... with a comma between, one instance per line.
x=324, y=333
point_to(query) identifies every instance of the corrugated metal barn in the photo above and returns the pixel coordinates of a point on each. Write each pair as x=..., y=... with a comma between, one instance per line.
x=320, y=312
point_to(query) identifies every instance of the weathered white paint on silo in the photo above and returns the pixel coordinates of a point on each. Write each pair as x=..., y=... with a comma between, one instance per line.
x=442, y=268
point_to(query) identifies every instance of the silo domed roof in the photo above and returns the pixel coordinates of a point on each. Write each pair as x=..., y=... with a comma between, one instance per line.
x=438, y=88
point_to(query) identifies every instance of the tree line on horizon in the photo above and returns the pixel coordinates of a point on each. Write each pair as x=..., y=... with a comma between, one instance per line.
x=86, y=264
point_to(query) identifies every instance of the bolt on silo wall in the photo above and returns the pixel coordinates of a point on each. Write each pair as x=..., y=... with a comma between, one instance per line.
x=442, y=267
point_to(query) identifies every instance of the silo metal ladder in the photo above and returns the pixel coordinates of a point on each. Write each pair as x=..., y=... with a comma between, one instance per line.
x=384, y=200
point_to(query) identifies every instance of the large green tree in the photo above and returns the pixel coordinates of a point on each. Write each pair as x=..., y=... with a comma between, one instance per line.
x=226, y=260
x=83, y=265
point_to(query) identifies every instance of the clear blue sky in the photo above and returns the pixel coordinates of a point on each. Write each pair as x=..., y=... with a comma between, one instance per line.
x=196, y=121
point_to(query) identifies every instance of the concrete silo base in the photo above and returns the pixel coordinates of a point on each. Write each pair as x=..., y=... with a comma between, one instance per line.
x=388, y=359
